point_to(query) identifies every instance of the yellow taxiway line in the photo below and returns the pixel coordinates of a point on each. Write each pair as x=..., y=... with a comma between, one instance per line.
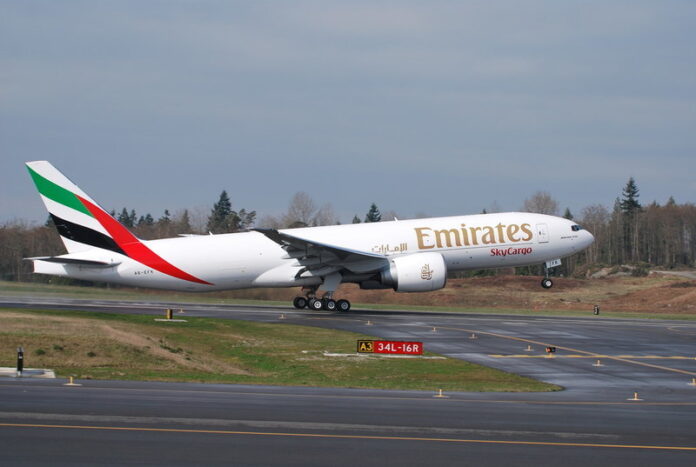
x=361, y=437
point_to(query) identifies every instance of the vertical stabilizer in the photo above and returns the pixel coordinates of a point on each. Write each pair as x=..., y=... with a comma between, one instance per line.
x=69, y=208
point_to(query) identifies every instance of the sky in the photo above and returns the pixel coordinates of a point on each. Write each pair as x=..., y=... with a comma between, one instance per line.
x=435, y=108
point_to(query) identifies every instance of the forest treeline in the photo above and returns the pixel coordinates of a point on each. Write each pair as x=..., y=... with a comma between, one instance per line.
x=628, y=233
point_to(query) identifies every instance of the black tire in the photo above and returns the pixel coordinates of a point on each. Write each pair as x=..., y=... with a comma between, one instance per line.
x=315, y=304
x=343, y=305
x=546, y=283
x=299, y=302
x=329, y=305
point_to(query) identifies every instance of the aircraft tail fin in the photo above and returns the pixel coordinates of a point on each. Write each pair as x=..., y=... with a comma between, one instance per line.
x=81, y=223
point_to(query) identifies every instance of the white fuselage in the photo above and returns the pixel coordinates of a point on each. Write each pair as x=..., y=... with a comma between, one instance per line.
x=250, y=259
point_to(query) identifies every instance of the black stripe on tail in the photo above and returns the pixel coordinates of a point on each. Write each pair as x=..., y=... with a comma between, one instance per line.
x=82, y=234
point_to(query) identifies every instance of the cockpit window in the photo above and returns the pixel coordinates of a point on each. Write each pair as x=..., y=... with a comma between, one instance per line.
x=575, y=228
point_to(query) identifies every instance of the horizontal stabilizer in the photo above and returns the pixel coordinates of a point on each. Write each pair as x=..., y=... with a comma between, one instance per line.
x=74, y=261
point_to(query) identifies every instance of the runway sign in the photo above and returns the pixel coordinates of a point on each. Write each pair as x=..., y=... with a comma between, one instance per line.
x=390, y=347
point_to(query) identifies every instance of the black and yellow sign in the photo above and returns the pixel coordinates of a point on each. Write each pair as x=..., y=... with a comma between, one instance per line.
x=366, y=346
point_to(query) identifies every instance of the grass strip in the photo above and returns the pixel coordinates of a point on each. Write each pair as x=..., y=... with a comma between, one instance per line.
x=135, y=347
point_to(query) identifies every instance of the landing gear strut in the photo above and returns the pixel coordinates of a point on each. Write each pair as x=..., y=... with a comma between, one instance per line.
x=546, y=282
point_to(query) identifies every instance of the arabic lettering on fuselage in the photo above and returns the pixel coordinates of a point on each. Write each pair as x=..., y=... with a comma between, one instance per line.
x=388, y=249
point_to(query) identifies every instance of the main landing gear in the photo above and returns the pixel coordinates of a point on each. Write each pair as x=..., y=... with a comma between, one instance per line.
x=317, y=304
x=326, y=302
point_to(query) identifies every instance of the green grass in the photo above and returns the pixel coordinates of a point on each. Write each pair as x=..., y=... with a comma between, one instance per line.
x=135, y=347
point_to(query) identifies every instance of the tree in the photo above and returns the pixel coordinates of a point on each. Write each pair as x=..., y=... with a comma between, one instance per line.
x=568, y=215
x=541, y=202
x=630, y=208
x=218, y=219
x=373, y=215
x=356, y=219
x=300, y=211
x=325, y=216
x=147, y=219
x=595, y=218
x=183, y=223
x=242, y=220
x=166, y=218
x=126, y=218
x=629, y=202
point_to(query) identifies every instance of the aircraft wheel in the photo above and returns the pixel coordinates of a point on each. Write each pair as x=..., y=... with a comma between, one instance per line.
x=315, y=304
x=546, y=283
x=343, y=305
x=299, y=302
x=329, y=305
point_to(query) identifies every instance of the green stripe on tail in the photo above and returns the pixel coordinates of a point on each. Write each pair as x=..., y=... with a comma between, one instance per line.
x=57, y=193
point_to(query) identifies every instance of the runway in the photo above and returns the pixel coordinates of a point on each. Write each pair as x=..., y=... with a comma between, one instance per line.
x=45, y=422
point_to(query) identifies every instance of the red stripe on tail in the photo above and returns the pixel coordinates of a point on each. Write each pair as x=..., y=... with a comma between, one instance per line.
x=134, y=248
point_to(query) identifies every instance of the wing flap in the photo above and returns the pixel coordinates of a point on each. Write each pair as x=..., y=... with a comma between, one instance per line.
x=321, y=255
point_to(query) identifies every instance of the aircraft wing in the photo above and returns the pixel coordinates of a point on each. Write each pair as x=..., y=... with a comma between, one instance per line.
x=318, y=254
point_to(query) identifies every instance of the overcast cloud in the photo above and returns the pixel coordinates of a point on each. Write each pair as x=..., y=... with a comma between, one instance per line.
x=422, y=107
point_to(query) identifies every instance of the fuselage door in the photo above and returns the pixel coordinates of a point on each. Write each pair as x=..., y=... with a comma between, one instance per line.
x=542, y=233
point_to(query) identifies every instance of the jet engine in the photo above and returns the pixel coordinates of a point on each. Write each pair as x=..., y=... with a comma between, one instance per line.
x=420, y=272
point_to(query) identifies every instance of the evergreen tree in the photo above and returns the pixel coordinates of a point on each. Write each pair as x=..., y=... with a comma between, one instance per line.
x=373, y=215
x=630, y=208
x=629, y=202
x=127, y=219
x=356, y=219
x=166, y=218
x=184, y=223
x=242, y=220
x=567, y=214
x=219, y=216
x=147, y=219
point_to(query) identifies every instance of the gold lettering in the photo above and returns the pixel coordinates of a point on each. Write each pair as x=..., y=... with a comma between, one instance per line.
x=511, y=231
x=465, y=235
x=420, y=235
x=473, y=231
x=501, y=233
x=526, y=228
x=448, y=237
x=489, y=235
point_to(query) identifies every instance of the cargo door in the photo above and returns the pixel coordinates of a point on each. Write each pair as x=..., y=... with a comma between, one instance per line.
x=542, y=231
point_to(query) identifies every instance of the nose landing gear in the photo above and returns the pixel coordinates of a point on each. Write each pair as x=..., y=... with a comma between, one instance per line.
x=546, y=282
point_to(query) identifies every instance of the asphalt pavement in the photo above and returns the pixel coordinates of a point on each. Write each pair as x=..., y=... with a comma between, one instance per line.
x=603, y=365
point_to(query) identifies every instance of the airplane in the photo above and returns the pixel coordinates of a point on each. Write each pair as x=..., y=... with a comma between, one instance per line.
x=412, y=255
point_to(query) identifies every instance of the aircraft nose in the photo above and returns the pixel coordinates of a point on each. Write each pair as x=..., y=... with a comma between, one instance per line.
x=589, y=238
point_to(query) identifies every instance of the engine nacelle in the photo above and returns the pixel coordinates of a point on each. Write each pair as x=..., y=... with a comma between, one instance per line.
x=420, y=272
